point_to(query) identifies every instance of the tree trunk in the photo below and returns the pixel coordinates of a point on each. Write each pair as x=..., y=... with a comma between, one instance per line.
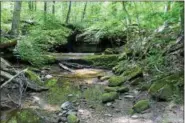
x=29, y=5
x=53, y=8
x=35, y=5
x=45, y=10
x=128, y=16
x=16, y=18
x=83, y=14
x=182, y=17
x=167, y=7
x=68, y=13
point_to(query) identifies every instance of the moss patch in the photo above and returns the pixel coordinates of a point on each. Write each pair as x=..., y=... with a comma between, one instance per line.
x=141, y=106
x=104, y=61
x=33, y=77
x=72, y=118
x=108, y=97
x=116, y=81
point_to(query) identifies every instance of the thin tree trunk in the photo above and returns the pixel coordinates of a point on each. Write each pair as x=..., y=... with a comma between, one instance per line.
x=16, y=18
x=45, y=10
x=84, y=11
x=35, y=6
x=167, y=7
x=128, y=16
x=68, y=13
x=29, y=5
x=53, y=8
x=182, y=17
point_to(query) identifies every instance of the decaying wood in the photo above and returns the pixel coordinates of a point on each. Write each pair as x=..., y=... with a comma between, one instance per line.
x=8, y=44
x=12, y=78
x=65, y=67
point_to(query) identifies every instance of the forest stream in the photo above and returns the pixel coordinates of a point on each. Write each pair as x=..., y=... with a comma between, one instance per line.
x=82, y=88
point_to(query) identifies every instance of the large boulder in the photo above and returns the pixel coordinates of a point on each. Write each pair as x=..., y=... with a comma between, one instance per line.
x=108, y=97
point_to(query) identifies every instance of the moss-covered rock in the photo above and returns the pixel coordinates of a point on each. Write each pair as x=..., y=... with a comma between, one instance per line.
x=116, y=81
x=166, y=86
x=108, y=97
x=141, y=106
x=33, y=77
x=165, y=93
x=116, y=89
x=104, y=78
x=144, y=86
x=111, y=89
x=103, y=61
x=72, y=119
x=133, y=72
x=123, y=89
x=110, y=51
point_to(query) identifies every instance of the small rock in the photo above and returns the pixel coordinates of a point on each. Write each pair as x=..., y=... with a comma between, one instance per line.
x=70, y=95
x=63, y=119
x=92, y=107
x=109, y=115
x=48, y=76
x=134, y=116
x=117, y=110
x=67, y=105
x=71, y=112
x=108, y=104
x=129, y=96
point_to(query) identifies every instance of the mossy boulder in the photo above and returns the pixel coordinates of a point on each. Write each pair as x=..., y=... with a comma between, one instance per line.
x=116, y=89
x=110, y=51
x=72, y=119
x=116, y=81
x=108, y=97
x=132, y=73
x=166, y=86
x=111, y=89
x=33, y=77
x=123, y=89
x=141, y=106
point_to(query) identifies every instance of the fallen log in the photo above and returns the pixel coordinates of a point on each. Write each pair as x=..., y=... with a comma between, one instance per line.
x=8, y=44
x=65, y=67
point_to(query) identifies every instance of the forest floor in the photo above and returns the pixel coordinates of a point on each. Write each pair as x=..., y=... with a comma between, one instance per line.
x=46, y=105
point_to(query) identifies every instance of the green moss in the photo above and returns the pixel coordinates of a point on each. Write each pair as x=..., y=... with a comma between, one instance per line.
x=107, y=97
x=141, y=106
x=72, y=118
x=123, y=89
x=33, y=77
x=51, y=82
x=144, y=86
x=161, y=87
x=116, y=89
x=104, y=61
x=116, y=81
x=166, y=93
x=132, y=72
x=111, y=89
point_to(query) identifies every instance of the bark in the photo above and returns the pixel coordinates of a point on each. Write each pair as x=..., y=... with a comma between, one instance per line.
x=128, y=16
x=53, y=8
x=167, y=7
x=35, y=6
x=68, y=13
x=84, y=11
x=16, y=18
x=8, y=45
x=182, y=16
